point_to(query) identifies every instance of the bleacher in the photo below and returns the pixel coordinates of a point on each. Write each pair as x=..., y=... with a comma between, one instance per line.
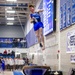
x=7, y=55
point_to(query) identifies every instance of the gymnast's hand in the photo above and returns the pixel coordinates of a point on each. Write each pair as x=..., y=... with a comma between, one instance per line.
x=34, y=19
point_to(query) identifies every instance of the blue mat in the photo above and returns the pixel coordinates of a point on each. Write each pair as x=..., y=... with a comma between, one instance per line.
x=35, y=71
x=17, y=73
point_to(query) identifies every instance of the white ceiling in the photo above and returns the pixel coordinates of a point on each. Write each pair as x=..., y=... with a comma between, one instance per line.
x=20, y=9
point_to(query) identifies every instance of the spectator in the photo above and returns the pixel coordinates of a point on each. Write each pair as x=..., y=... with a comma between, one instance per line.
x=9, y=52
x=5, y=52
x=15, y=43
x=16, y=63
x=3, y=65
x=23, y=42
x=27, y=61
x=0, y=65
x=13, y=52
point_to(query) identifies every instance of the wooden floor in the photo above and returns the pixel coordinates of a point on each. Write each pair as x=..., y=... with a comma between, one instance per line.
x=9, y=72
x=6, y=73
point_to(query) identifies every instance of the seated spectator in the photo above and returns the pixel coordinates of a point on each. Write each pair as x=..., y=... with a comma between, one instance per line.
x=23, y=42
x=5, y=52
x=9, y=52
x=13, y=53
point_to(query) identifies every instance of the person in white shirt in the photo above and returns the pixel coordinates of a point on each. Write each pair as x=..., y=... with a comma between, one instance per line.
x=11, y=63
x=9, y=52
x=23, y=41
x=8, y=63
x=16, y=63
x=21, y=63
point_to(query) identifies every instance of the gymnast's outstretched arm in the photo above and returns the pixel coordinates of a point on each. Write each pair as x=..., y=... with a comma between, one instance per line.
x=39, y=10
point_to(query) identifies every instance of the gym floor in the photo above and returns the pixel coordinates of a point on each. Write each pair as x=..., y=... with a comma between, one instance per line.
x=11, y=73
x=7, y=73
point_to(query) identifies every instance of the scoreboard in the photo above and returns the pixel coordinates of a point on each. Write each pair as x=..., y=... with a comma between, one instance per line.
x=48, y=16
x=67, y=13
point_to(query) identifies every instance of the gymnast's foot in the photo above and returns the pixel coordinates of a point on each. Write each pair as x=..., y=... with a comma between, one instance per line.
x=41, y=45
x=43, y=48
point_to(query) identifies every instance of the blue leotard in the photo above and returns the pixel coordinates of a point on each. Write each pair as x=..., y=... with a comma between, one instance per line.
x=37, y=22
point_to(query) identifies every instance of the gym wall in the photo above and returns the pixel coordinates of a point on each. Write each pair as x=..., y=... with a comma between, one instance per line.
x=11, y=32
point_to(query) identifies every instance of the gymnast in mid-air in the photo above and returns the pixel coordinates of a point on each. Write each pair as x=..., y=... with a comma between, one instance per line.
x=38, y=25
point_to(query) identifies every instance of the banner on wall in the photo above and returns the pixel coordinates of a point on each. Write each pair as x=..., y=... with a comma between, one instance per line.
x=73, y=11
x=48, y=16
x=64, y=15
x=61, y=18
x=68, y=15
x=71, y=42
x=72, y=58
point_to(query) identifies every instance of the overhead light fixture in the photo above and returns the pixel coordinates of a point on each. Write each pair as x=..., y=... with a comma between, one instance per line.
x=5, y=16
x=8, y=8
x=12, y=0
x=10, y=18
x=10, y=11
x=9, y=23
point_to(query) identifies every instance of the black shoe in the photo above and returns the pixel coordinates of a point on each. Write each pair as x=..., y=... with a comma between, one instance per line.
x=41, y=45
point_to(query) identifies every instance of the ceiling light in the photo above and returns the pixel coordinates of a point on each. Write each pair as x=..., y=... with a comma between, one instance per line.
x=5, y=16
x=12, y=0
x=9, y=23
x=10, y=18
x=8, y=8
x=10, y=11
